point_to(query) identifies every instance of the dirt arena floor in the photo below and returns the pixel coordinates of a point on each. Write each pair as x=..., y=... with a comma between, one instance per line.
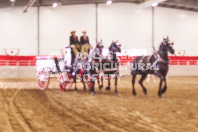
x=24, y=108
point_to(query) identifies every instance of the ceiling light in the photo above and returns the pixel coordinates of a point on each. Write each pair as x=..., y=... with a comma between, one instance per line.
x=55, y=4
x=149, y=3
x=155, y=4
x=12, y=0
x=109, y=2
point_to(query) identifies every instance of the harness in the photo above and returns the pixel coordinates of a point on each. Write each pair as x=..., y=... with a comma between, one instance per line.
x=158, y=59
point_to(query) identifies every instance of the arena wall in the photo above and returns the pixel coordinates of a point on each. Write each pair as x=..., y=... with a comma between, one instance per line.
x=17, y=72
x=19, y=30
x=181, y=26
x=120, y=21
x=57, y=23
x=45, y=31
x=16, y=67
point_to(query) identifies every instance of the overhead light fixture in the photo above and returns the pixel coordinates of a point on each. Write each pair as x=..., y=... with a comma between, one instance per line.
x=12, y=3
x=155, y=4
x=30, y=3
x=55, y=5
x=149, y=3
x=109, y=2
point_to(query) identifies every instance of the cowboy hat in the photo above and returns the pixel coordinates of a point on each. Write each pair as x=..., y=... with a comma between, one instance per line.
x=73, y=31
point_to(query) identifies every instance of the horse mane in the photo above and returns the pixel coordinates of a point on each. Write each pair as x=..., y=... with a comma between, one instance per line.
x=111, y=45
x=163, y=43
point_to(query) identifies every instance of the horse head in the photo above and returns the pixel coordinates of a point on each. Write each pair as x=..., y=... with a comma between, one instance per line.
x=99, y=46
x=170, y=48
x=115, y=47
x=166, y=46
x=97, y=53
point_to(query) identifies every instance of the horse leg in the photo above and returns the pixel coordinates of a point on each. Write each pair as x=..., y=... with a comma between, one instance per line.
x=133, y=83
x=101, y=86
x=165, y=87
x=162, y=78
x=109, y=83
x=98, y=80
x=84, y=86
x=92, y=87
x=141, y=83
x=116, y=82
x=75, y=84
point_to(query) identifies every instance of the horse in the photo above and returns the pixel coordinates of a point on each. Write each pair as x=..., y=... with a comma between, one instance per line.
x=80, y=69
x=156, y=64
x=109, y=66
x=90, y=65
x=97, y=53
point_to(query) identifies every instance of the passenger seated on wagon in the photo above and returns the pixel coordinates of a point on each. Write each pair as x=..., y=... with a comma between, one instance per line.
x=84, y=41
x=74, y=43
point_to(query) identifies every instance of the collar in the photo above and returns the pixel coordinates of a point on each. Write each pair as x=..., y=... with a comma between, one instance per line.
x=158, y=58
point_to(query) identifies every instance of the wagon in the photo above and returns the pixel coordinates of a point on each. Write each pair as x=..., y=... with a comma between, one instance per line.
x=46, y=68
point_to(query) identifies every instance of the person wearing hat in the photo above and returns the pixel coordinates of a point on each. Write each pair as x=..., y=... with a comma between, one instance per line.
x=74, y=43
x=84, y=41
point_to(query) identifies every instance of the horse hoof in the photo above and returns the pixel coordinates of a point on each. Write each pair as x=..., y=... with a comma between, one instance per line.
x=100, y=87
x=108, y=88
x=134, y=94
x=160, y=96
x=93, y=93
x=100, y=91
x=116, y=93
x=85, y=89
x=145, y=92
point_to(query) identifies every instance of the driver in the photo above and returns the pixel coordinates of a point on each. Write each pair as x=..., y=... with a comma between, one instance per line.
x=84, y=41
x=74, y=43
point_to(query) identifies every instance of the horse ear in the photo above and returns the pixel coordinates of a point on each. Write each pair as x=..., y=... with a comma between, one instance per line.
x=164, y=38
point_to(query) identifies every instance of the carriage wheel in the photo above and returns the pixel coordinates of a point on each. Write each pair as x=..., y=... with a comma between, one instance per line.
x=62, y=86
x=89, y=85
x=43, y=84
x=62, y=82
x=65, y=83
x=43, y=78
x=69, y=83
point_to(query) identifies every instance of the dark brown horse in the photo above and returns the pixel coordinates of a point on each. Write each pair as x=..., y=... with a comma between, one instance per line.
x=110, y=66
x=157, y=64
x=101, y=64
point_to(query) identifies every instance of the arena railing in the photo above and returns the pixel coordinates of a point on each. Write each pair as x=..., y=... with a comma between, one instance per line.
x=31, y=60
x=17, y=63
